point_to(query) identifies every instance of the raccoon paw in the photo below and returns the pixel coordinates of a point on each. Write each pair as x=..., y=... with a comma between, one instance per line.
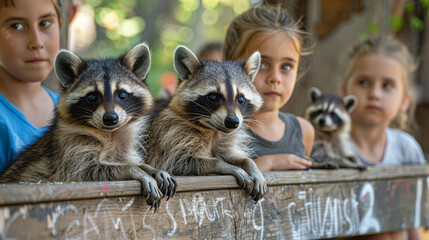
x=259, y=188
x=166, y=183
x=330, y=165
x=362, y=168
x=151, y=192
x=244, y=180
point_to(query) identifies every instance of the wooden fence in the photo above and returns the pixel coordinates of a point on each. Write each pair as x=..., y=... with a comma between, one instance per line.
x=299, y=205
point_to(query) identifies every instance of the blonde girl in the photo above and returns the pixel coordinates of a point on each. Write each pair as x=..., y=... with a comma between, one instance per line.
x=380, y=76
x=282, y=141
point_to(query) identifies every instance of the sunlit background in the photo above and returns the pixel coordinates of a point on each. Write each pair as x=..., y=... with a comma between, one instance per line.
x=104, y=28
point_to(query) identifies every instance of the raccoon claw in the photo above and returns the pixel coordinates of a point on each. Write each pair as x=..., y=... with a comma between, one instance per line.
x=151, y=192
x=244, y=180
x=155, y=205
x=362, y=168
x=330, y=165
x=259, y=189
x=166, y=183
x=173, y=188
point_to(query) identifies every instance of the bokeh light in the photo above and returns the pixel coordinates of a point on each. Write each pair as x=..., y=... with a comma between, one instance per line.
x=210, y=4
x=209, y=17
x=132, y=26
x=240, y=6
x=111, y=20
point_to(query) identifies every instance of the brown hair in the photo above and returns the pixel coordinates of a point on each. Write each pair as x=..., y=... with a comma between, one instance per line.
x=57, y=5
x=259, y=20
x=389, y=46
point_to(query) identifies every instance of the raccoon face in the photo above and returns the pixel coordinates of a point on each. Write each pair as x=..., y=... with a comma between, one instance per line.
x=104, y=94
x=215, y=95
x=329, y=113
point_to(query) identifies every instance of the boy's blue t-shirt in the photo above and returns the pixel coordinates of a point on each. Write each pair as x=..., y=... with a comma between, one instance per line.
x=16, y=131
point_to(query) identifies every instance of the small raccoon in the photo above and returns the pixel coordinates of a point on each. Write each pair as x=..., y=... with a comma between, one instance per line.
x=202, y=131
x=330, y=117
x=97, y=128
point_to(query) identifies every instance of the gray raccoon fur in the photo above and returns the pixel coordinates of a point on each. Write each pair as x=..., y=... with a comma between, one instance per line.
x=202, y=129
x=330, y=117
x=97, y=129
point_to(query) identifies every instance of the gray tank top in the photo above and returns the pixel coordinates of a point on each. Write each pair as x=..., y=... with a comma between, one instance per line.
x=290, y=143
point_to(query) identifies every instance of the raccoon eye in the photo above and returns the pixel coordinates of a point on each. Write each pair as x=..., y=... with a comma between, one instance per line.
x=213, y=97
x=314, y=115
x=335, y=117
x=123, y=95
x=91, y=97
x=241, y=100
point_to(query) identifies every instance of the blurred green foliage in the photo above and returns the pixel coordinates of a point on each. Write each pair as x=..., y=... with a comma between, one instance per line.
x=415, y=13
x=162, y=24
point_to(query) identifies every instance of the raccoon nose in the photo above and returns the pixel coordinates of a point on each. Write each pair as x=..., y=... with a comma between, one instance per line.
x=322, y=122
x=232, y=122
x=110, y=118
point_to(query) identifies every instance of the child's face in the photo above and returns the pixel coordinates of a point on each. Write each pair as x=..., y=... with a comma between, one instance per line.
x=277, y=74
x=29, y=39
x=378, y=83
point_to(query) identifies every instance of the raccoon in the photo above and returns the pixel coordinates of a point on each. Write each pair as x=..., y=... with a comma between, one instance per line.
x=201, y=130
x=330, y=117
x=97, y=128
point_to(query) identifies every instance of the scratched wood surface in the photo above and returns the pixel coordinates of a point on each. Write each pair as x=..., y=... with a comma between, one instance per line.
x=298, y=205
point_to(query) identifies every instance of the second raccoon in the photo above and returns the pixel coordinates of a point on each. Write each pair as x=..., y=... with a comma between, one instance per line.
x=330, y=117
x=202, y=129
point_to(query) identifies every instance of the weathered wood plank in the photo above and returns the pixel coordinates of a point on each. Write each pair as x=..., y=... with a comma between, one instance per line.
x=32, y=193
x=385, y=200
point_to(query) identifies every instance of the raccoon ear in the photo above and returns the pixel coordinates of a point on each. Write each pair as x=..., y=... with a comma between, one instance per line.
x=67, y=67
x=138, y=60
x=252, y=65
x=313, y=94
x=350, y=103
x=185, y=62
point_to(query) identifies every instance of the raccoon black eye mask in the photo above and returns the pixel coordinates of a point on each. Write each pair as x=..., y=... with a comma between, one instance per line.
x=99, y=124
x=202, y=130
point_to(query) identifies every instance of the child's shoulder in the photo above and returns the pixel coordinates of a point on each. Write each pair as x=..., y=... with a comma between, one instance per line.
x=404, y=144
x=303, y=123
x=307, y=130
x=55, y=96
x=400, y=137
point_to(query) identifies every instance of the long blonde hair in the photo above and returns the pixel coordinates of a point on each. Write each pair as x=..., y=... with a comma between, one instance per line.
x=261, y=19
x=389, y=46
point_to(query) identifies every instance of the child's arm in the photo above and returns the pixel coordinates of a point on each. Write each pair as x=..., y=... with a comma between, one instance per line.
x=5, y=147
x=281, y=162
x=307, y=135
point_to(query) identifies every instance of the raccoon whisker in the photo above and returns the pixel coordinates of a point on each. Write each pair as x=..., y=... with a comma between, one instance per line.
x=253, y=121
x=207, y=109
x=202, y=106
x=198, y=117
x=133, y=107
x=86, y=111
x=130, y=110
